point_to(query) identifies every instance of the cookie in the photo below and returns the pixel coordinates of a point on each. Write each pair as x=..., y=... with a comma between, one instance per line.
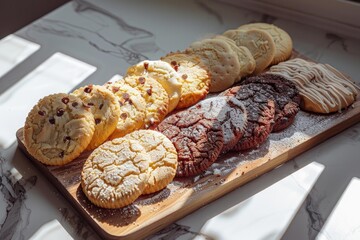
x=285, y=95
x=322, y=88
x=163, y=73
x=195, y=77
x=260, y=114
x=282, y=40
x=221, y=61
x=156, y=98
x=58, y=128
x=245, y=57
x=197, y=140
x=163, y=158
x=260, y=44
x=115, y=174
x=105, y=107
x=229, y=112
x=132, y=108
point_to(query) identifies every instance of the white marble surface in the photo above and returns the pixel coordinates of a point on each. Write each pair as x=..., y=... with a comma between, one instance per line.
x=302, y=199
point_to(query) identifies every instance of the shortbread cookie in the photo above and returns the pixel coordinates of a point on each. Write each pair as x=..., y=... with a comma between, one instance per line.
x=259, y=42
x=221, y=61
x=282, y=40
x=58, y=128
x=163, y=158
x=132, y=108
x=323, y=89
x=260, y=114
x=197, y=140
x=156, y=98
x=194, y=76
x=285, y=96
x=245, y=57
x=163, y=73
x=115, y=174
x=229, y=112
x=106, y=110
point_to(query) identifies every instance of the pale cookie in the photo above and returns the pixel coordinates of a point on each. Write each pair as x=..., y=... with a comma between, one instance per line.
x=163, y=158
x=115, y=174
x=195, y=77
x=163, y=73
x=155, y=96
x=105, y=107
x=245, y=57
x=132, y=108
x=282, y=40
x=221, y=60
x=260, y=44
x=58, y=128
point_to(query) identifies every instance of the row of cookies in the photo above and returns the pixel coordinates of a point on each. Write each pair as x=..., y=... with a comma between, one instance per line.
x=240, y=118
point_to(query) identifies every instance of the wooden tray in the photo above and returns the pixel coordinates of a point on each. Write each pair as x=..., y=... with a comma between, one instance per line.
x=151, y=213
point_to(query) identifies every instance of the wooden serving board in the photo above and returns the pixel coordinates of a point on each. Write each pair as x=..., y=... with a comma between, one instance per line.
x=151, y=213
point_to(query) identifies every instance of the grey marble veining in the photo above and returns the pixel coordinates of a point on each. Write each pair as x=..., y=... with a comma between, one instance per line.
x=112, y=35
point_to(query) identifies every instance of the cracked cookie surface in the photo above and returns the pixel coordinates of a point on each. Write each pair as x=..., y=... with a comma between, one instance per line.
x=58, y=128
x=115, y=174
x=163, y=158
x=104, y=106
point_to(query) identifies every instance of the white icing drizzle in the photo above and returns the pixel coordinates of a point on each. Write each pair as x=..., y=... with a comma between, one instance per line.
x=320, y=83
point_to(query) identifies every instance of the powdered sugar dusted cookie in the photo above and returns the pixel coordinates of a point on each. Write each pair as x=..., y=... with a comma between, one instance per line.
x=115, y=174
x=105, y=107
x=58, y=128
x=163, y=73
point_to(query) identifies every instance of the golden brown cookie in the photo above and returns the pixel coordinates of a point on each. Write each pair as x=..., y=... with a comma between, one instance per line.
x=323, y=88
x=105, y=107
x=260, y=44
x=282, y=40
x=221, y=60
x=156, y=98
x=195, y=77
x=163, y=73
x=58, y=128
x=163, y=158
x=115, y=174
x=132, y=108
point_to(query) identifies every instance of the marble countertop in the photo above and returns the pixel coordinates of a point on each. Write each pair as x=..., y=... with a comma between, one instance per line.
x=313, y=196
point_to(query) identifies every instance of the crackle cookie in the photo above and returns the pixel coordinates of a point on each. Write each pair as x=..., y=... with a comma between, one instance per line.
x=132, y=108
x=163, y=73
x=260, y=114
x=229, y=112
x=198, y=141
x=156, y=98
x=282, y=40
x=104, y=106
x=285, y=95
x=163, y=158
x=58, y=128
x=260, y=44
x=245, y=57
x=221, y=60
x=115, y=174
x=323, y=89
x=194, y=77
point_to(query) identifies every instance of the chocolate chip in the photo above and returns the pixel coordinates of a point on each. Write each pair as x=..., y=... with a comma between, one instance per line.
x=149, y=91
x=173, y=63
x=146, y=65
x=65, y=100
x=141, y=80
x=97, y=121
x=176, y=67
x=115, y=89
x=130, y=102
x=67, y=138
x=125, y=96
x=61, y=154
x=184, y=76
x=90, y=104
x=74, y=104
x=88, y=89
x=101, y=106
x=60, y=112
x=41, y=113
x=124, y=116
x=52, y=120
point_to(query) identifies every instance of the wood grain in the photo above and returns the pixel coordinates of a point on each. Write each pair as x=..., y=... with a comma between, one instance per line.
x=151, y=213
